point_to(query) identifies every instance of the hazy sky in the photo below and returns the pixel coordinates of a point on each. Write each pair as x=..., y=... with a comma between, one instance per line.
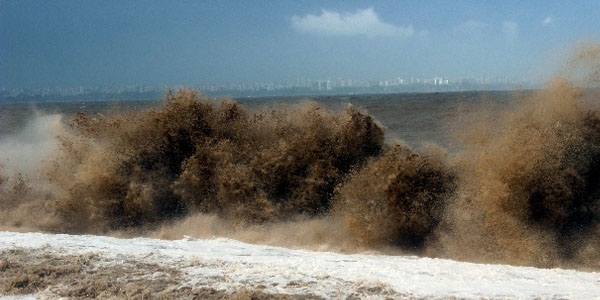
x=71, y=43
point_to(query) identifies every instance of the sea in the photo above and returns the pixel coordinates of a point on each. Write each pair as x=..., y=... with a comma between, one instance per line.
x=485, y=176
x=414, y=118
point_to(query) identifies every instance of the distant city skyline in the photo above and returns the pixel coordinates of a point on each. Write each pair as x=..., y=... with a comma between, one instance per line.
x=306, y=87
x=68, y=43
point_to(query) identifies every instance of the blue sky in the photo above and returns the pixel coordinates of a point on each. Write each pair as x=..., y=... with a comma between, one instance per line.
x=72, y=43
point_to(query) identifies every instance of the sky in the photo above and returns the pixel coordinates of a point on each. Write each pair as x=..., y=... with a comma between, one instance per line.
x=112, y=42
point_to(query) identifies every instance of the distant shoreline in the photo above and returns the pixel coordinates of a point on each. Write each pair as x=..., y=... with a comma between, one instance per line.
x=159, y=96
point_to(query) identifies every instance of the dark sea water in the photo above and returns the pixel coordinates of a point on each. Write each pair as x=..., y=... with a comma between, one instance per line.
x=417, y=119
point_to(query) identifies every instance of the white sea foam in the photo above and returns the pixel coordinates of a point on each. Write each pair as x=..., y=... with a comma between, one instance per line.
x=226, y=264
